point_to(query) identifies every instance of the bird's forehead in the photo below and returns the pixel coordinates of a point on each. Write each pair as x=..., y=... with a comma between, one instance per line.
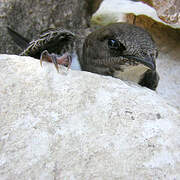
x=132, y=37
x=114, y=31
x=123, y=31
x=127, y=36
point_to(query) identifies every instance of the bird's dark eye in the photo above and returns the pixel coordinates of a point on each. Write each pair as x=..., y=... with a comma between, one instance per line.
x=113, y=44
x=116, y=45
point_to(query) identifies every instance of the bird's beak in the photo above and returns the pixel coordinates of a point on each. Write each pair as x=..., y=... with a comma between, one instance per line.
x=147, y=61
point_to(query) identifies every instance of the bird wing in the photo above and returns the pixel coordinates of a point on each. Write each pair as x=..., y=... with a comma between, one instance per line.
x=18, y=39
x=55, y=41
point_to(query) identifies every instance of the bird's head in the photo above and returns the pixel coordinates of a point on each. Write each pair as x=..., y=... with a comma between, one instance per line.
x=120, y=46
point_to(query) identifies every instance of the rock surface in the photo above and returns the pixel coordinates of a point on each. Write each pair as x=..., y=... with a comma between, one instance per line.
x=79, y=125
x=167, y=10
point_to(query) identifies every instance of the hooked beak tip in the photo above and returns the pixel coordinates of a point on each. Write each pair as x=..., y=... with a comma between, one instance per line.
x=146, y=61
x=149, y=62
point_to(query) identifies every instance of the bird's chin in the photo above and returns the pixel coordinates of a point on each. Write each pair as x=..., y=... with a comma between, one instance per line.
x=132, y=73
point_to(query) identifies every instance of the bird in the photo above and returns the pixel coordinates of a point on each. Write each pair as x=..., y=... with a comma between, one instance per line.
x=53, y=45
x=120, y=50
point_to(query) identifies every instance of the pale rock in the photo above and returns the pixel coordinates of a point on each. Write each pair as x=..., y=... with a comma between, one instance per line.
x=116, y=11
x=79, y=125
x=167, y=10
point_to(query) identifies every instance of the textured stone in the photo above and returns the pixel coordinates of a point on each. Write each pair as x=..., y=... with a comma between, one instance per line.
x=167, y=10
x=79, y=125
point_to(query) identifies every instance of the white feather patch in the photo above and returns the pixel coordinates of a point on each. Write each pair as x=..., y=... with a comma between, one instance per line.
x=131, y=73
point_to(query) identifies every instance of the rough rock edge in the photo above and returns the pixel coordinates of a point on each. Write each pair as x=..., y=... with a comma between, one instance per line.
x=168, y=10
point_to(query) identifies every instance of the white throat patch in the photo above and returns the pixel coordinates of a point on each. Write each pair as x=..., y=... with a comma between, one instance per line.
x=132, y=73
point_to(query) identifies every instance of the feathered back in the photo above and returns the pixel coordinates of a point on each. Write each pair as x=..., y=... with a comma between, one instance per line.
x=56, y=41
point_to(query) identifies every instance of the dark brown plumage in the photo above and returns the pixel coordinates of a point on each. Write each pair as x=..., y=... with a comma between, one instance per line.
x=120, y=50
x=58, y=41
